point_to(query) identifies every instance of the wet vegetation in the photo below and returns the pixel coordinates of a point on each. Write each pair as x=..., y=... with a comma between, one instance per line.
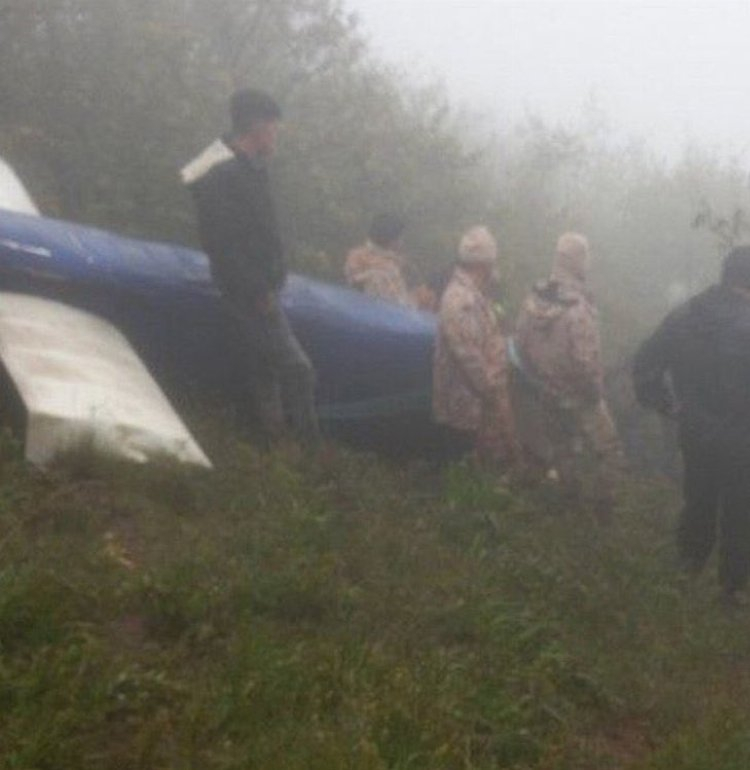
x=345, y=613
x=336, y=611
x=103, y=102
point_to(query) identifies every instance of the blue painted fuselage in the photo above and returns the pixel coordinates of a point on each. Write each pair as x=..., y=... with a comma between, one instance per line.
x=373, y=359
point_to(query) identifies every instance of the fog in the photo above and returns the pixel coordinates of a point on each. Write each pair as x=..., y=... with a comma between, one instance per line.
x=102, y=105
x=671, y=73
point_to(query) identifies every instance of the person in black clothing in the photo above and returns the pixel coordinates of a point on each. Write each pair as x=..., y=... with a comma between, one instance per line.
x=238, y=230
x=696, y=368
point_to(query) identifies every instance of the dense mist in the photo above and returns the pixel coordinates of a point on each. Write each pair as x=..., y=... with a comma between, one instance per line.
x=104, y=102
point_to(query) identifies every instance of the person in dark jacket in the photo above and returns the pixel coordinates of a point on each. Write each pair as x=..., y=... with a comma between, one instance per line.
x=239, y=231
x=696, y=368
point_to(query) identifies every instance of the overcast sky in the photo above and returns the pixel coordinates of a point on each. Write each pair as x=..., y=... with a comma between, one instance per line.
x=671, y=71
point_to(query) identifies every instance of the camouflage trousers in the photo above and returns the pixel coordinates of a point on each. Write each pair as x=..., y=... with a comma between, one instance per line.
x=579, y=444
x=281, y=376
x=585, y=446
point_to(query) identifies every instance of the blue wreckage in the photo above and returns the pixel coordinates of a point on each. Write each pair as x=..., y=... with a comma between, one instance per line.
x=373, y=359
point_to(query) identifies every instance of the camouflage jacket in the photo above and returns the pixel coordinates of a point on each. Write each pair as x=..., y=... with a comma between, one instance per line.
x=470, y=377
x=377, y=272
x=557, y=336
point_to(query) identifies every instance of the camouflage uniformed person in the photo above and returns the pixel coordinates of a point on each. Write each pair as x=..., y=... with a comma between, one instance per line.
x=470, y=378
x=558, y=348
x=375, y=267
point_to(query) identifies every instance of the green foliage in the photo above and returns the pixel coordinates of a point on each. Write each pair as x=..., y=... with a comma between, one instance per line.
x=657, y=230
x=105, y=101
x=722, y=744
x=335, y=612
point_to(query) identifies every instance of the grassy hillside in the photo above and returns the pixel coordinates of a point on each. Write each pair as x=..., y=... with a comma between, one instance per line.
x=343, y=613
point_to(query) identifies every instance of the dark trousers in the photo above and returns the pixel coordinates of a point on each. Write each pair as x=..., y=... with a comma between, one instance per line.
x=716, y=490
x=281, y=379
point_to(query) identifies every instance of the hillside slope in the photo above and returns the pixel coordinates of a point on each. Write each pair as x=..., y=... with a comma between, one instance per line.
x=287, y=614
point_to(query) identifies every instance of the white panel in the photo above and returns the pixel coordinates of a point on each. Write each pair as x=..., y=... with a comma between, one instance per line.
x=81, y=381
x=13, y=195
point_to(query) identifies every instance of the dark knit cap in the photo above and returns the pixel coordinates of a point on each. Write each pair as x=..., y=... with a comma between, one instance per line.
x=735, y=271
x=385, y=229
x=250, y=106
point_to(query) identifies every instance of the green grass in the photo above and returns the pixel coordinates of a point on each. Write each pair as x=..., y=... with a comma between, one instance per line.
x=285, y=612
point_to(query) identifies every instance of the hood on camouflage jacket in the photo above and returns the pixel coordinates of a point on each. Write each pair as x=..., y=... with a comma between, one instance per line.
x=557, y=339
